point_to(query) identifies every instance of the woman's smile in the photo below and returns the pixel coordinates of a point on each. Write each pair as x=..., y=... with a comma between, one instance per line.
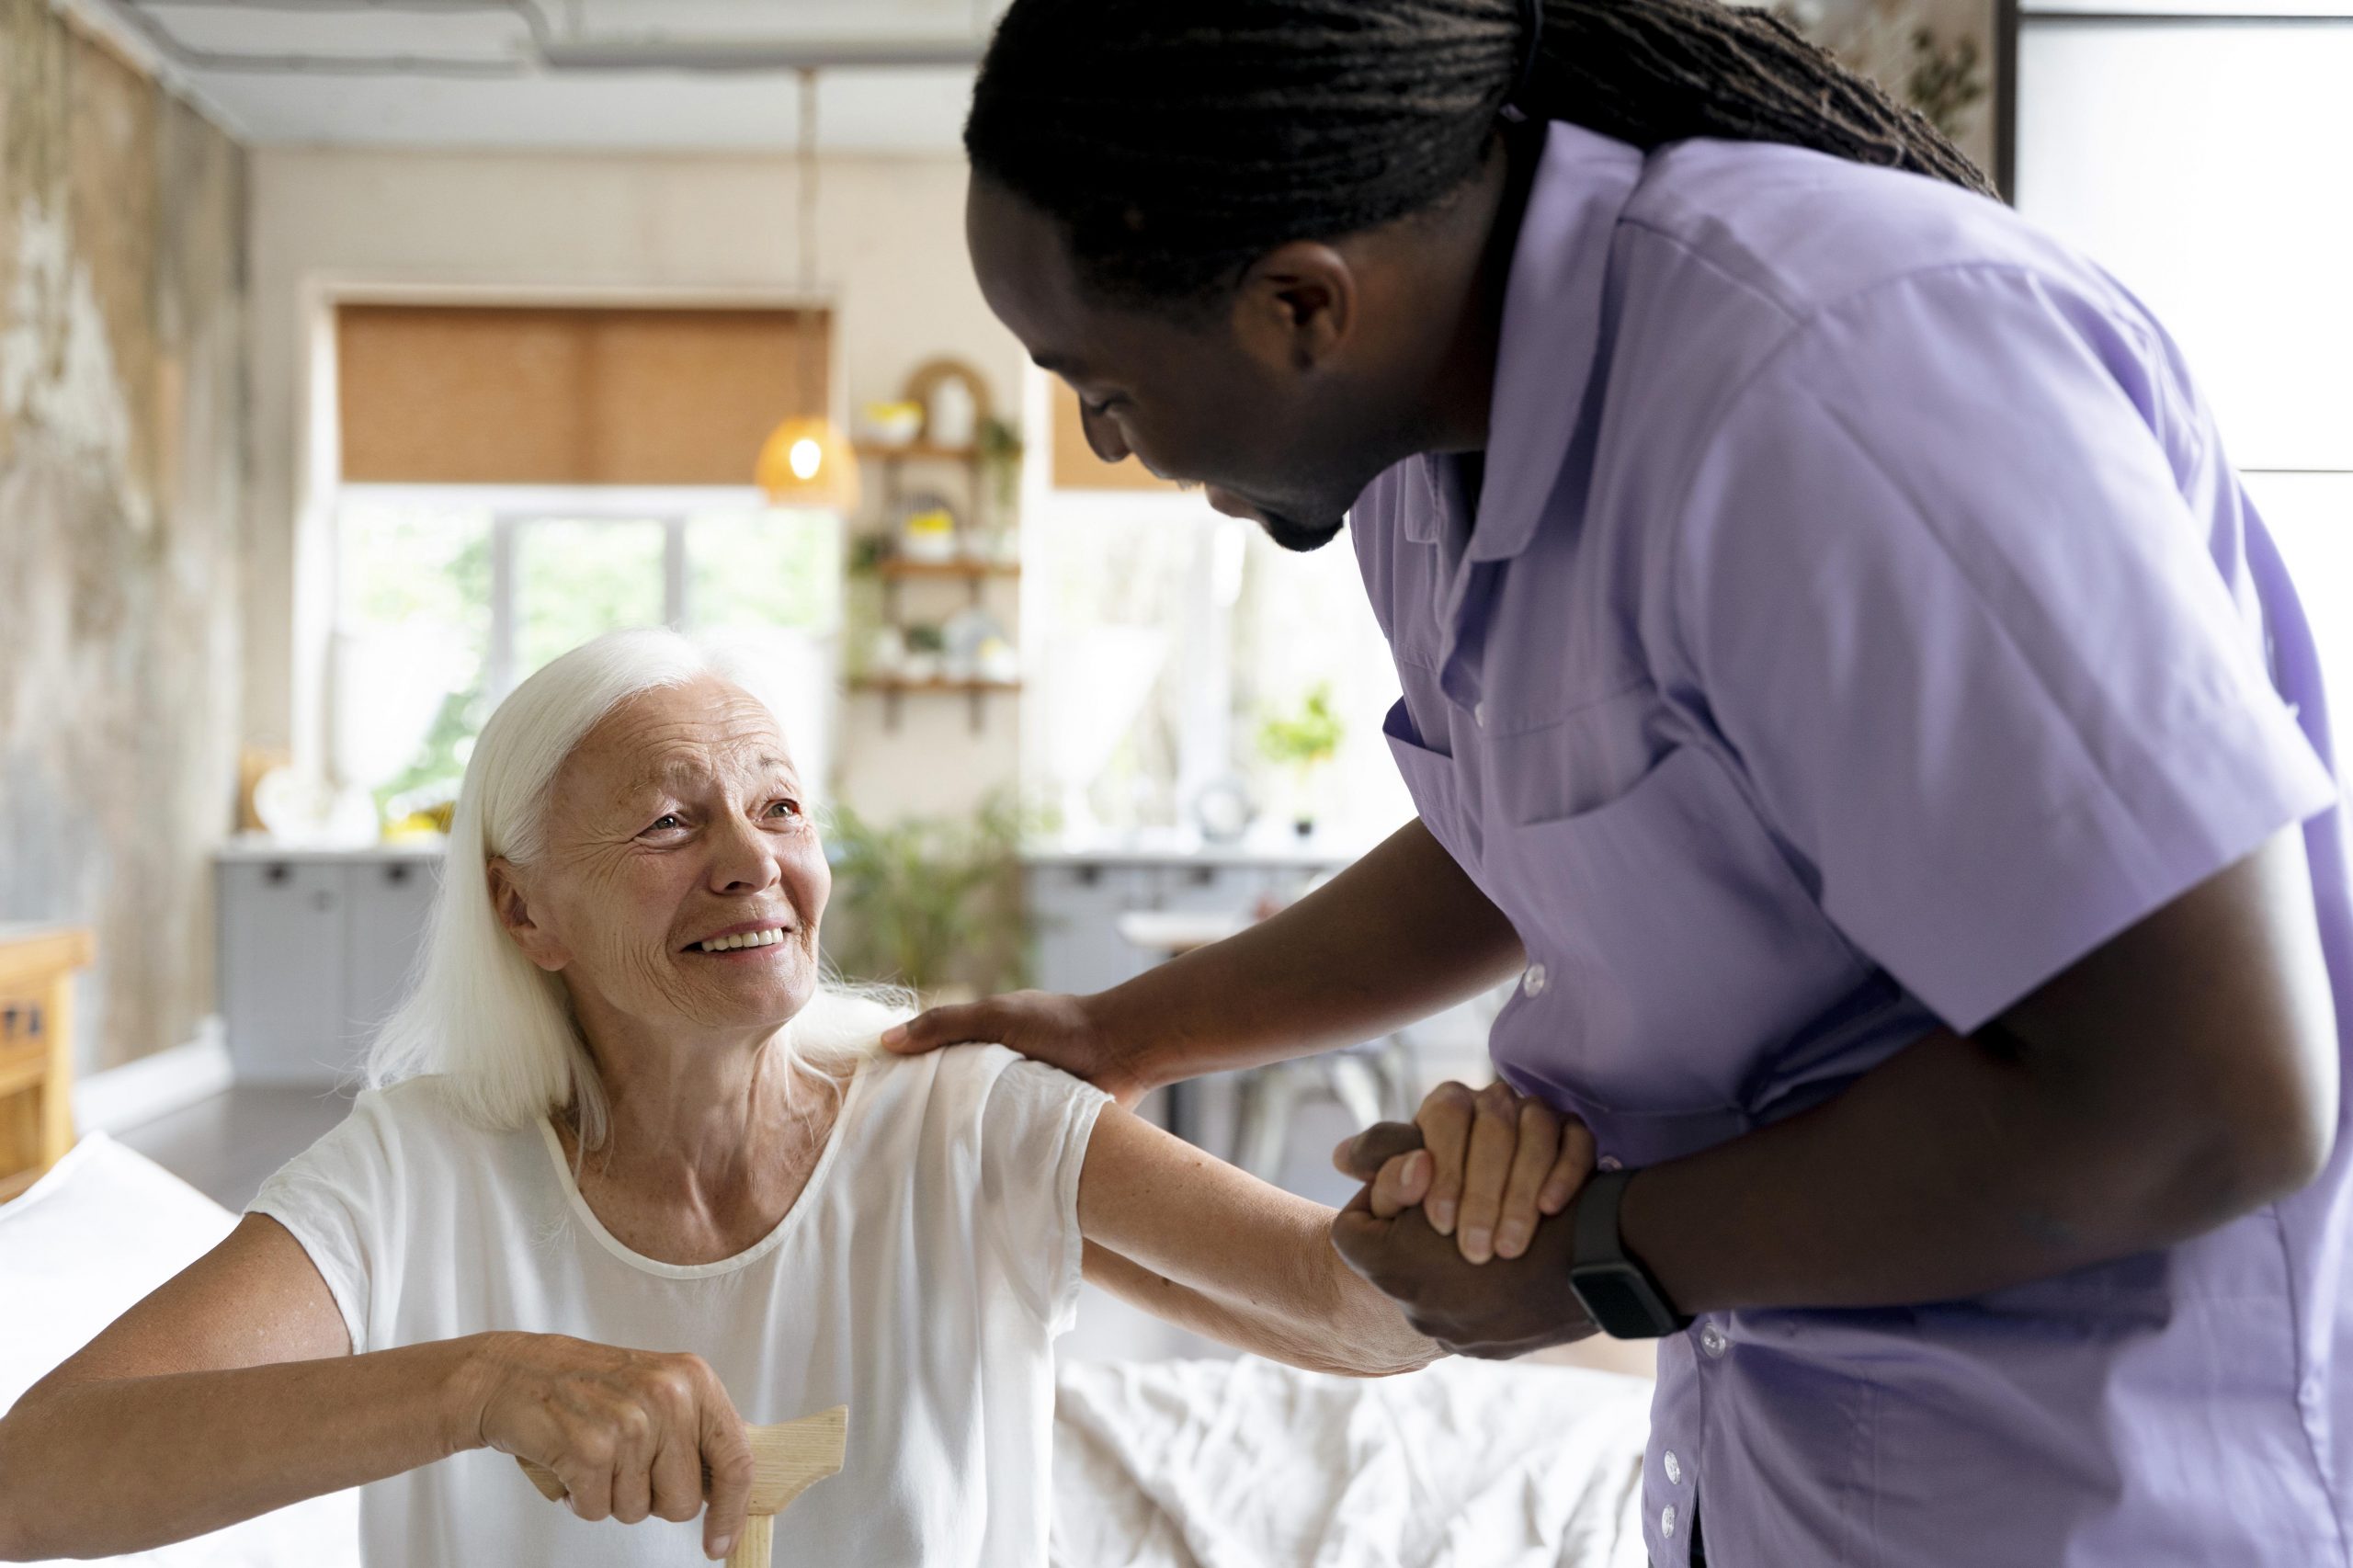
x=750, y=939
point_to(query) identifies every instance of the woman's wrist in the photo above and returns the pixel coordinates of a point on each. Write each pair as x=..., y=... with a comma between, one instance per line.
x=465, y=1372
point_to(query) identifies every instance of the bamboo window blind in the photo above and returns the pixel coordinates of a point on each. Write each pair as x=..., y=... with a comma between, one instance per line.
x=463, y=395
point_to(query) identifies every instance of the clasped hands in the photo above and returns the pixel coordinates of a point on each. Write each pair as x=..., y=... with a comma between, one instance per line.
x=1467, y=1217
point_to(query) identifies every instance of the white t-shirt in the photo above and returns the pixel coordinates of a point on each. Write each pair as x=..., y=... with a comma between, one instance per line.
x=919, y=1280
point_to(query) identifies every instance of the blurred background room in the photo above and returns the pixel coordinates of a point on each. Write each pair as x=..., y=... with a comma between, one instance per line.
x=355, y=360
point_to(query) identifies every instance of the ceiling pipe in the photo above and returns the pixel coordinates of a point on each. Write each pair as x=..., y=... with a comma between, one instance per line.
x=545, y=52
x=762, y=55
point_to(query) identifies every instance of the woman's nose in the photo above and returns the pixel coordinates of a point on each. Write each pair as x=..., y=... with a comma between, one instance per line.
x=744, y=861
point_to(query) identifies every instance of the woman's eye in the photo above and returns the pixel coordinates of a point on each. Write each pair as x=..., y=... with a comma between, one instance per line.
x=666, y=821
x=785, y=808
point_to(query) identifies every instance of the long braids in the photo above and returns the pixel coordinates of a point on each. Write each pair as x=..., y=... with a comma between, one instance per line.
x=1180, y=140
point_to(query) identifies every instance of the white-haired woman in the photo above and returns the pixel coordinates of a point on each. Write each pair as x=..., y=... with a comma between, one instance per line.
x=629, y=1177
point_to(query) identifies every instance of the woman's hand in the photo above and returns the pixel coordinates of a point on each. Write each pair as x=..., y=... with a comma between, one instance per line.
x=629, y=1433
x=1485, y=1166
x=1062, y=1031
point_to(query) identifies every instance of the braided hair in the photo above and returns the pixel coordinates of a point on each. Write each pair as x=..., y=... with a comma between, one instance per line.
x=1180, y=140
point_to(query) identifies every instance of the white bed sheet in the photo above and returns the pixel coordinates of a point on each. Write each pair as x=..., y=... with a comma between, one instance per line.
x=1245, y=1464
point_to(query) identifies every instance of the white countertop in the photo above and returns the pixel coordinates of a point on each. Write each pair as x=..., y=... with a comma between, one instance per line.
x=248, y=848
x=1173, y=848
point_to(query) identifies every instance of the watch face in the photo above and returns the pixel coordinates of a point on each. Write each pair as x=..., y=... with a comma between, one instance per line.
x=1620, y=1301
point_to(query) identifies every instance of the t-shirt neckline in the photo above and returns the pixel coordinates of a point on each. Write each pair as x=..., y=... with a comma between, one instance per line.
x=749, y=1255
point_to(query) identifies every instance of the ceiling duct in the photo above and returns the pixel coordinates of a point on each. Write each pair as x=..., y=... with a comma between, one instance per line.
x=539, y=50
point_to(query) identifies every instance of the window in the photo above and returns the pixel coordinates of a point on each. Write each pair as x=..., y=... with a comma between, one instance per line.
x=1166, y=636
x=449, y=597
x=2202, y=150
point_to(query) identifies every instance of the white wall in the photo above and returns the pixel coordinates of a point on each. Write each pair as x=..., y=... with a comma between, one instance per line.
x=890, y=256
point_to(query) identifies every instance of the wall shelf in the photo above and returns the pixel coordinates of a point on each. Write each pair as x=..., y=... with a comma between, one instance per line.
x=895, y=567
x=923, y=451
x=893, y=690
x=974, y=575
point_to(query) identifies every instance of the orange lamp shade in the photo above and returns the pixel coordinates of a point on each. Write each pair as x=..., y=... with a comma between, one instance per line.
x=805, y=463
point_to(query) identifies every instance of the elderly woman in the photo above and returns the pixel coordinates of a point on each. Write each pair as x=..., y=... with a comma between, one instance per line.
x=630, y=1176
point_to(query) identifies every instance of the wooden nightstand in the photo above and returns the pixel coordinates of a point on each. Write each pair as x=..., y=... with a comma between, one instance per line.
x=36, y=965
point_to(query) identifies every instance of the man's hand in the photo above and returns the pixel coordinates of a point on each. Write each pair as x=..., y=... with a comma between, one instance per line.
x=1494, y=1311
x=1485, y=1166
x=1062, y=1031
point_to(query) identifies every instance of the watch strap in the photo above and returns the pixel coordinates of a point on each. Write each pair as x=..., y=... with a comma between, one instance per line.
x=1617, y=1293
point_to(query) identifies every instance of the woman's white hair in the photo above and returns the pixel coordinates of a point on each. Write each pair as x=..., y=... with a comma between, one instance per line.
x=496, y=1026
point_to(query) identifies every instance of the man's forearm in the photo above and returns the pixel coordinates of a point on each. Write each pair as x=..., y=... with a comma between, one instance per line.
x=1398, y=936
x=1947, y=1171
x=2181, y=1075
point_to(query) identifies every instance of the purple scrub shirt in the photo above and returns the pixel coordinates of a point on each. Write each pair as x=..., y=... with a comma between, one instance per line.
x=1858, y=623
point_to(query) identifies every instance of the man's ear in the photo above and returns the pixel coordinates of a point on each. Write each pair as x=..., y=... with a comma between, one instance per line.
x=512, y=907
x=1296, y=305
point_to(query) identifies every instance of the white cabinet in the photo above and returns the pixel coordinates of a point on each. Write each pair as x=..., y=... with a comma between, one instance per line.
x=314, y=950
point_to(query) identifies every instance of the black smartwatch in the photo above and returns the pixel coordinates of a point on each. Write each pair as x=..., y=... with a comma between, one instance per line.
x=1617, y=1292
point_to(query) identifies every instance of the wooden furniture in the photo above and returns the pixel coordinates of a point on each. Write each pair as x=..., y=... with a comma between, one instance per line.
x=36, y=965
x=787, y=1459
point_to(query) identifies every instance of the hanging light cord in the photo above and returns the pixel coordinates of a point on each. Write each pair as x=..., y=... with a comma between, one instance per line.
x=806, y=189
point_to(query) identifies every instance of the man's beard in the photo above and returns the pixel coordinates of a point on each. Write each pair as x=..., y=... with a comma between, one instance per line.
x=1294, y=535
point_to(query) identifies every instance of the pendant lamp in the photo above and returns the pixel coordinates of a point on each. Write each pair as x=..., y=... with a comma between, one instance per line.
x=805, y=461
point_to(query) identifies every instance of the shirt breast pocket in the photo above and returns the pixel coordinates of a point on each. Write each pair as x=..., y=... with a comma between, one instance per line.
x=1672, y=946
x=1430, y=778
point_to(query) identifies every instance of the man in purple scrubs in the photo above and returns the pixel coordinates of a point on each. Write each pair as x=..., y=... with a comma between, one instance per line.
x=1844, y=681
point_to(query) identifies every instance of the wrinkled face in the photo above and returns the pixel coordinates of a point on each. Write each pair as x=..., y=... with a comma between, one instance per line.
x=1223, y=397
x=681, y=879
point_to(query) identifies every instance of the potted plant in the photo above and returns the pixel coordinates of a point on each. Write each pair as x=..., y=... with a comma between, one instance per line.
x=933, y=903
x=1303, y=740
x=999, y=443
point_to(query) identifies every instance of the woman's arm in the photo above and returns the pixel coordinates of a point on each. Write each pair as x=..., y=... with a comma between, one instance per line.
x=229, y=1392
x=232, y=1391
x=1213, y=1249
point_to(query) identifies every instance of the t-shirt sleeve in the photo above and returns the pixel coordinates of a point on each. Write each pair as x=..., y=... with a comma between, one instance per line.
x=1941, y=591
x=340, y=1199
x=1034, y=1131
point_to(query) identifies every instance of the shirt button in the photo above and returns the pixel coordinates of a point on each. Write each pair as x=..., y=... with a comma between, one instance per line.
x=1610, y=1163
x=1674, y=1469
x=1479, y=714
x=1533, y=982
x=1666, y=1520
x=1712, y=1340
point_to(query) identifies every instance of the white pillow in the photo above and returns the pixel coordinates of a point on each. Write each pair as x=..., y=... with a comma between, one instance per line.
x=103, y=1228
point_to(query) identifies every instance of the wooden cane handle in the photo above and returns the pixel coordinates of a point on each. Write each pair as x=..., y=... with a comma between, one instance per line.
x=787, y=1459
x=755, y=1547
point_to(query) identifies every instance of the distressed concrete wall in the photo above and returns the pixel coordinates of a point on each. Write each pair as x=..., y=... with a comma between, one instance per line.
x=121, y=432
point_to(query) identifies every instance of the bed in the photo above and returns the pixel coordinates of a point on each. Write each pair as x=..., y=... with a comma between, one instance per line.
x=1169, y=1464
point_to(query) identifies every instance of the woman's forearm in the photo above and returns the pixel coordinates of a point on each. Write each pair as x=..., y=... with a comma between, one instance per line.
x=1396, y=937
x=1214, y=1249
x=1337, y=1324
x=101, y=1467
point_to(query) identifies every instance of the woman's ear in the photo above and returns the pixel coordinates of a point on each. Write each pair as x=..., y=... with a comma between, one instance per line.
x=509, y=902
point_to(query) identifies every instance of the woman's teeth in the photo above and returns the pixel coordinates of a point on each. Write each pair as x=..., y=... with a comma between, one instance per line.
x=768, y=938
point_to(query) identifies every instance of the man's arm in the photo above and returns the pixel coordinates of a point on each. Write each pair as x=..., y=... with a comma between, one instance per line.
x=1396, y=937
x=2179, y=1076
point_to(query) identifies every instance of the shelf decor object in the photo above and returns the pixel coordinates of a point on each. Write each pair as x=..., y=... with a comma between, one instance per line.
x=805, y=461
x=787, y=1459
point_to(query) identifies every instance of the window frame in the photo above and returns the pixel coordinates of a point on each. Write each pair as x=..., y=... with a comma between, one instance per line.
x=513, y=508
